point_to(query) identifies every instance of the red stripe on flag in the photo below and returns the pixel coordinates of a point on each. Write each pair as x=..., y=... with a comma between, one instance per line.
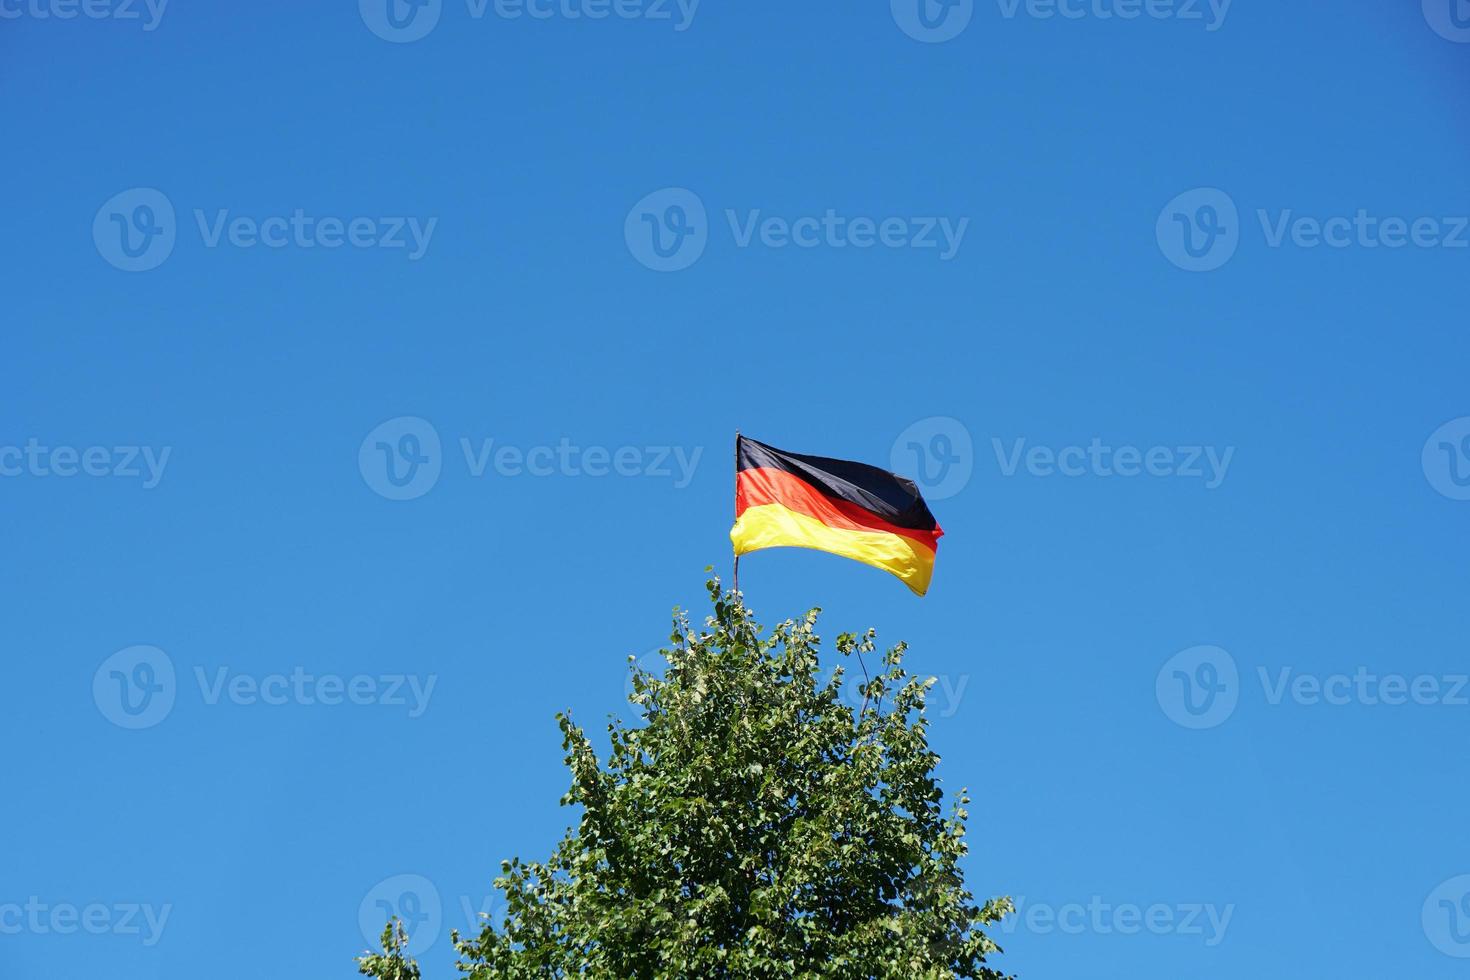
x=763, y=485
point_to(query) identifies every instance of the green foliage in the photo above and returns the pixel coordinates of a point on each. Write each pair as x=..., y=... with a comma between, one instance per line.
x=390, y=964
x=754, y=826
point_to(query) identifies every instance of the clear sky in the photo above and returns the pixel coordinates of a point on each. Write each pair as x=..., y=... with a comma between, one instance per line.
x=1211, y=711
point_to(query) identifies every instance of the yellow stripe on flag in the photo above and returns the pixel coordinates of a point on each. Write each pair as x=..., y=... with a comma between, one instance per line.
x=774, y=526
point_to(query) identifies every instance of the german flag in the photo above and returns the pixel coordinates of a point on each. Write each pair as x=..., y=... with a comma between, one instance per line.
x=850, y=509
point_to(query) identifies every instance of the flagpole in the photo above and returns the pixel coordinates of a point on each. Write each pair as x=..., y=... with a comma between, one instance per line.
x=736, y=582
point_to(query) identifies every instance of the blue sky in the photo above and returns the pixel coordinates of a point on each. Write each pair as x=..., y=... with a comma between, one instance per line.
x=1165, y=311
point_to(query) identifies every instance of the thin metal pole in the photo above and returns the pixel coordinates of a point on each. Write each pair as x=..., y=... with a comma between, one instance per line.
x=736, y=576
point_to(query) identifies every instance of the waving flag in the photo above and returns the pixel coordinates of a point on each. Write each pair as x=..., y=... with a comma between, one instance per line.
x=850, y=509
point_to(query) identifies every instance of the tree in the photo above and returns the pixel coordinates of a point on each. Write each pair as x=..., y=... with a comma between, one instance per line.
x=754, y=826
x=391, y=963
